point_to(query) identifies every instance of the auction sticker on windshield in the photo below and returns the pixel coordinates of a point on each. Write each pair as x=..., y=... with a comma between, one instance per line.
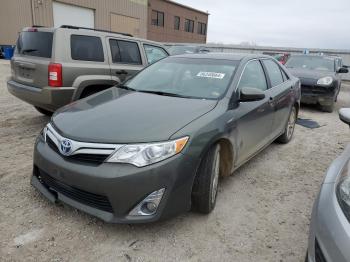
x=211, y=75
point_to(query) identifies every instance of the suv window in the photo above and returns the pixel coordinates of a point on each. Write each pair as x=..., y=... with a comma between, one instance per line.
x=35, y=44
x=253, y=76
x=274, y=72
x=125, y=52
x=154, y=53
x=86, y=48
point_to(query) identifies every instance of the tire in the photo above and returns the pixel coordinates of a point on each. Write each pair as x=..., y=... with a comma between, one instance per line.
x=289, y=129
x=43, y=111
x=205, y=186
x=89, y=92
x=328, y=108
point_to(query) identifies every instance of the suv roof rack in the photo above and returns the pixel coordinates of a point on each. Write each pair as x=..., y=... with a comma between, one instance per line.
x=37, y=26
x=93, y=29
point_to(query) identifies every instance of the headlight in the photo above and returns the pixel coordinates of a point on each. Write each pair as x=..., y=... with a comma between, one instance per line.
x=343, y=195
x=145, y=154
x=325, y=81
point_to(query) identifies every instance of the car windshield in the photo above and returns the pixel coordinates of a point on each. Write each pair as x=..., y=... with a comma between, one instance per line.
x=311, y=62
x=179, y=50
x=185, y=77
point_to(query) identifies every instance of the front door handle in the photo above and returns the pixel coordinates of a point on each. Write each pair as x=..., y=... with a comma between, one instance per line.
x=121, y=72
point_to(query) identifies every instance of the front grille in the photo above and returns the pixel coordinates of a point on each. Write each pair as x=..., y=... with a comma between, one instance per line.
x=90, y=199
x=319, y=257
x=88, y=158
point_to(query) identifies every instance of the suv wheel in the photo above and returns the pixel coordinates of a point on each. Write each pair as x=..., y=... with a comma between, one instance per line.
x=43, y=111
x=205, y=186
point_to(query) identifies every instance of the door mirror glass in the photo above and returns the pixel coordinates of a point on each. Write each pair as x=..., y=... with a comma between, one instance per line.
x=250, y=94
x=343, y=70
x=344, y=115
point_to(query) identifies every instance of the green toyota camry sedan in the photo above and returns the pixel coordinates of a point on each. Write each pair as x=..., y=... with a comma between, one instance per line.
x=156, y=145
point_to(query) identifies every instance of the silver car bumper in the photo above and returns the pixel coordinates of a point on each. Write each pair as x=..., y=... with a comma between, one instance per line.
x=329, y=238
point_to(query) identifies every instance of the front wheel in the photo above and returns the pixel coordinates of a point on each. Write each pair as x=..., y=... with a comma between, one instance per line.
x=328, y=108
x=205, y=186
x=289, y=129
x=43, y=111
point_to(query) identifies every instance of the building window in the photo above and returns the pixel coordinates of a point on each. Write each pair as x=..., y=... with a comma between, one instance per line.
x=202, y=28
x=177, y=23
x=157, y=18
x=189, y=25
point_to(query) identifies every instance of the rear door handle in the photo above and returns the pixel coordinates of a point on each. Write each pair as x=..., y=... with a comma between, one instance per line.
x=121, y=72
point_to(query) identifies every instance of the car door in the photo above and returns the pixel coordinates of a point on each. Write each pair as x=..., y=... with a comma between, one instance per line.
x=125, y=58
x=281, y=95
x=254, y=119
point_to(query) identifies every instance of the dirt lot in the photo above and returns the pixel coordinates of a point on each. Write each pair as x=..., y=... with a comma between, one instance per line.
x=262, y=212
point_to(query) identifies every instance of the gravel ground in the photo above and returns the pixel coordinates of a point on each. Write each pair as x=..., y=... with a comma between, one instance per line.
x=262, y=211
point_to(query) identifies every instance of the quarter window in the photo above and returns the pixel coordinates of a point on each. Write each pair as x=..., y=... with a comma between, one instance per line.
x=189, y=25
x=176, y=22
x=154, y=53
x=253, y=76
x=274, y=72
x=125, y=52
x=86, y=48
x=202, y=28
x=157, y=18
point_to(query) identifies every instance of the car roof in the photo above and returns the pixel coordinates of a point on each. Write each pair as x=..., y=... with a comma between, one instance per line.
x=315, y=55
x=225, y=56
x=93, y=32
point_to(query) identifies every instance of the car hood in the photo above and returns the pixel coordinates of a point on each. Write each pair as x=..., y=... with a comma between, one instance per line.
x=120, y=116
x=309, y=74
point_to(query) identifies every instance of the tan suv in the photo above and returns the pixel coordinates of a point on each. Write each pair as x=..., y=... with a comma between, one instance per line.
x=52, y=67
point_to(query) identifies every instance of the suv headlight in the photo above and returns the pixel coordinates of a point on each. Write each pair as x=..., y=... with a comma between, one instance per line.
x=343, y=195
x=145, y=154
x=325, y=81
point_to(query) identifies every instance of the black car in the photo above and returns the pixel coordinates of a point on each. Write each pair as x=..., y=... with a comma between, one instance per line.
x=320, y=78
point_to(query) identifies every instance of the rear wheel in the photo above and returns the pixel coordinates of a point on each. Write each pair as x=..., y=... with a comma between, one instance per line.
x=205, y=186
x=289, y=129
x=43, y=111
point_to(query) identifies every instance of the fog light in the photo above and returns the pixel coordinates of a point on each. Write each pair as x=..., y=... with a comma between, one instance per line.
x=149, y=205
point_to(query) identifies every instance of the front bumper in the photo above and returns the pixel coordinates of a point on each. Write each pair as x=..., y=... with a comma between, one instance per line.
x=318, y=95
x=329, y=236
x=49, y=98
x=123, y=185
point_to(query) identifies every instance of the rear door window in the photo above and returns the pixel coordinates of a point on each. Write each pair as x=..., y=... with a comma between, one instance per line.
x=125, y=52
x=35, y=44
x=154, y=53
x=86, y=48
x=274, y=72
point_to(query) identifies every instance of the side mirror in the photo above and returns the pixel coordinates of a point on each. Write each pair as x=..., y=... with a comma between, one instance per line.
x=344, y=115
x=343, y=70
x=250, y=94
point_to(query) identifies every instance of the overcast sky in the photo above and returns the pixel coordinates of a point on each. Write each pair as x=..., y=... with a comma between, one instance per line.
x=295, y=23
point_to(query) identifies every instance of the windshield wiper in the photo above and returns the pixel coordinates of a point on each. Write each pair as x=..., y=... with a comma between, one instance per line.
x=126, y=87
x=29, y=50
x=162, y=93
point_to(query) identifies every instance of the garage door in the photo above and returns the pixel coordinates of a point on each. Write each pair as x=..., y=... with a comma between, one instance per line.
x=64, y=14
x=125, y=24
